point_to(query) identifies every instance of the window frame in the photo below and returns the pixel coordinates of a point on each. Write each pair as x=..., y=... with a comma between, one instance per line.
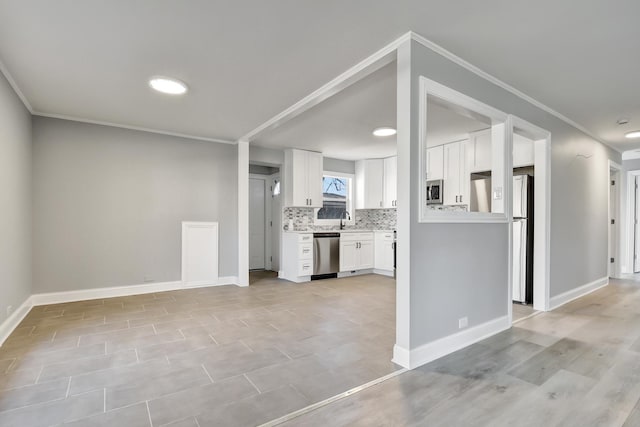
x=350, y=200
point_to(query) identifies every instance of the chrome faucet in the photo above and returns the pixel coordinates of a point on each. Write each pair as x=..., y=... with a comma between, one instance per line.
x=341, y=218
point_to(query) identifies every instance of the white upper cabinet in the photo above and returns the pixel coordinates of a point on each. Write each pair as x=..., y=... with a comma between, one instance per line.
x=370, y=184
x=522, y=151
x=303, y=178
x=479, y=151
x=456, y=177
x=435, y=162
x=390, y=199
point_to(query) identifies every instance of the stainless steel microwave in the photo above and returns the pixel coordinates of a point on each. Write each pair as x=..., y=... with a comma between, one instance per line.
x=434, y=192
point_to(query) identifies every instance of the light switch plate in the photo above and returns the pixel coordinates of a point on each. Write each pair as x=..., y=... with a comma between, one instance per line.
x=497, y=193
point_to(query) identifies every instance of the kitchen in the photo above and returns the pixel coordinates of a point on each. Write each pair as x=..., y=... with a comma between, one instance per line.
x=338, y=192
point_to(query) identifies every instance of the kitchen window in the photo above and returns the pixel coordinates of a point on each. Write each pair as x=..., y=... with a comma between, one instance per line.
x=337, y=199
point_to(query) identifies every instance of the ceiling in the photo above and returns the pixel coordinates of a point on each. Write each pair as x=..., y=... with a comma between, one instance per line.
x=245, y=61
x=341, y=127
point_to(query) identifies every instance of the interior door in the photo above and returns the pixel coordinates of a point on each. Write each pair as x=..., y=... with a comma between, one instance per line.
x=636, y=260
x=256, y=223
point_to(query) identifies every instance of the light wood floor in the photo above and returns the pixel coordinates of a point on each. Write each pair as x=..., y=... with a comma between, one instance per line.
x=521, y=311
x=203, y=357
x=577, y=366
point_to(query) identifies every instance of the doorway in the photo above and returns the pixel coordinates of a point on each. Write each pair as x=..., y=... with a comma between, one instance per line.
x=530, y=232
x=265, y=217
x=257, y=222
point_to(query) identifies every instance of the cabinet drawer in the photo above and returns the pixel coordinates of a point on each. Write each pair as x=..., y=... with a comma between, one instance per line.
x=384, y=236
x=356, y=237
x=305, y=268
x=305, y=251
x=305, y=238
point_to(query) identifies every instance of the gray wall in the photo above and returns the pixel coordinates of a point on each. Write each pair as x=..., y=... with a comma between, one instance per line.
x=631, y=165
x=338, y=165
x=265, y=156
x=15, y=200
x=262, y=170
x=463, y=268
x=270, y=157
x=108, y=204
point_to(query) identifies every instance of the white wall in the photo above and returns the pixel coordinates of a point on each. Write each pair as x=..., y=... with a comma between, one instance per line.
x=109, y=204
x=15, y=200
x=461, y=270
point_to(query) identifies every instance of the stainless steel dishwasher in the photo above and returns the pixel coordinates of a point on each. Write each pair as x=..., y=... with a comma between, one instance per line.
x=326, y=255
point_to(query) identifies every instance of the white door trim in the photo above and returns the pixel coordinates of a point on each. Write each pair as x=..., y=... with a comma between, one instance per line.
x=615, y=270
x=542, y=218
x=266, y=179
x=629, y=241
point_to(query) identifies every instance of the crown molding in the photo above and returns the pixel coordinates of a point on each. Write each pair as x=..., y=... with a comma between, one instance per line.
x=129, y=127
x=496, y=81
x=7, y=75
x=374, y=62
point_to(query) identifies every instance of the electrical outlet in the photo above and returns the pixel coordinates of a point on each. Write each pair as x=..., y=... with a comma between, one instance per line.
x=9, y=309
x=463, y=323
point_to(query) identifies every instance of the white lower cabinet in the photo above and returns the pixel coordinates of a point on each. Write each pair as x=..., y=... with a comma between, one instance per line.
x=356, y=251
x=384, y=251
x=297, y=257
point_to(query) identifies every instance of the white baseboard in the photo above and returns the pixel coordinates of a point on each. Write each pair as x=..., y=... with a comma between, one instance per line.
x=429, y=352
x=401, y=356
x=355, y=273
x=12, y=322
x=383, y=272
x=122, y=291
x=576, y=293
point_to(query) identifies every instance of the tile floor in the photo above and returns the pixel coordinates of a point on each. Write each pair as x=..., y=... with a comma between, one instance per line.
x=203, y=357
x=578, y=366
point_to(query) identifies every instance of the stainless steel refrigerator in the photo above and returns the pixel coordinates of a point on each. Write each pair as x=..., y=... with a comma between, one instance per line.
x=480, y=201
x=523, y=239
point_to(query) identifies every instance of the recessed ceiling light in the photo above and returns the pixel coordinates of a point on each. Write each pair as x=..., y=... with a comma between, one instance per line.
x=384, y=131
x=634, y=134
x=168, y=85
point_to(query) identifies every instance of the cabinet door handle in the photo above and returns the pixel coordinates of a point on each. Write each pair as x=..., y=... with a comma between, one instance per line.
x=461, y=198
x=456, y=199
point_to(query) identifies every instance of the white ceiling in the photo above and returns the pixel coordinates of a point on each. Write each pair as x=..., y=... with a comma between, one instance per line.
x=341, y=127
x=246, y=61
